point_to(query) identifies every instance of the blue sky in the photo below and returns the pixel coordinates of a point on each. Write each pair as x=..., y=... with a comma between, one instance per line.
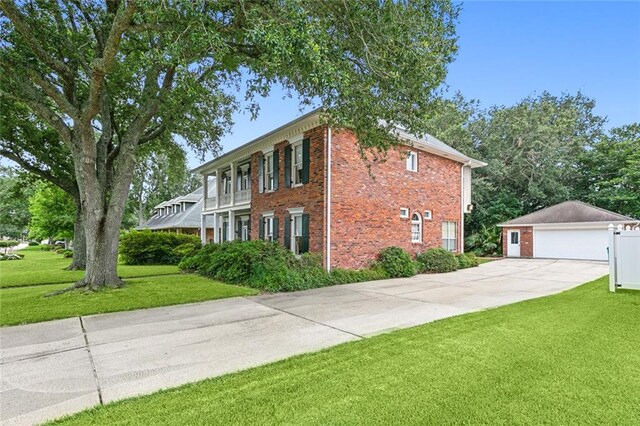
x=508, y=50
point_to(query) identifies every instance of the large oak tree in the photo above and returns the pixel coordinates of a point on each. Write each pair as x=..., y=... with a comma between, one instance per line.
x=112, y=76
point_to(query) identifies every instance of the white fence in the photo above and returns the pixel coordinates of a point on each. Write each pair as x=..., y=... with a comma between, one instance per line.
x=624, y=257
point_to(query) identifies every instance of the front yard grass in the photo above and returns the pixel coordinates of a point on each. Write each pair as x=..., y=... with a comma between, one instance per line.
x=571, y=358
x=28, y=304
x=45, y=267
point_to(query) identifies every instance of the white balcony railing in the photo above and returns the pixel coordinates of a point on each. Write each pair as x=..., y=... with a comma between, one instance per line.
x=243, y=196
x=225, y=200
x=210, y=203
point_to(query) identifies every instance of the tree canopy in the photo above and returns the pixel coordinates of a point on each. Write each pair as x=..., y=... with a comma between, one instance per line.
x=52, y=213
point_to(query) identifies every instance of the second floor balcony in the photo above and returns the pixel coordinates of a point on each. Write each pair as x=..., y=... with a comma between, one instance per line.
x=228, y=186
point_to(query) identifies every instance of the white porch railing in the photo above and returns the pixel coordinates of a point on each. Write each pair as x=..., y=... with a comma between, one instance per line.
x=210, y=203
x=225, y=200
x=242, y=196
x=624, y=253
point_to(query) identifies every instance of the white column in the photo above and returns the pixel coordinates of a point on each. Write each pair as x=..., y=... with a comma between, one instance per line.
x=203, y=229
x=232, y=224
x=216, y=234
x=233, y=183
x=205, y=190
x=217, y=188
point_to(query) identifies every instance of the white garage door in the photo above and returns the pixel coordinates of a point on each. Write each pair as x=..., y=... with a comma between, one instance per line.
x=588, y=244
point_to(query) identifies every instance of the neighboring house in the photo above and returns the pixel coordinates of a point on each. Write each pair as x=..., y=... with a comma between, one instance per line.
x=569, y=230
x=181, y=215
x=306, y=186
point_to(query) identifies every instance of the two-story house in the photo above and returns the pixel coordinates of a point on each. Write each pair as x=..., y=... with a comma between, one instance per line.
x=307, y=187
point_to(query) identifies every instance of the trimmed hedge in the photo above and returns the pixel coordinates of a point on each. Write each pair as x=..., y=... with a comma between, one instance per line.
x=396, y=262
x=467, y=260
x=269, y=267
x=8, y=243
x=437, y=260
x=149, y=248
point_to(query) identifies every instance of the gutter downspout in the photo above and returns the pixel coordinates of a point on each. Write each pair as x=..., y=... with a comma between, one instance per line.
x=462, y=206
x=328, y=201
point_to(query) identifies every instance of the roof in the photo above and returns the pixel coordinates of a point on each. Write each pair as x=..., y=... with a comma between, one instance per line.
x=569, y=212
x=428, y=143
x=189, y=218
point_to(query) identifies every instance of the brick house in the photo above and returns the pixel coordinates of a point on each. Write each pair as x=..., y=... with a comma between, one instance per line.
x=306, y=186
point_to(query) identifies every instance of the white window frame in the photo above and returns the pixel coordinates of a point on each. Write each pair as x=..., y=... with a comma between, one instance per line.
x=416, y=222
x=245, y=177
x=244, y=228
x=412, y=161
x=296, y=180
x=404, y=213
x=428, y=215
x=269, y=182
x=295, y=244
x=226, y=182
x=450, y=235
x=267, y=227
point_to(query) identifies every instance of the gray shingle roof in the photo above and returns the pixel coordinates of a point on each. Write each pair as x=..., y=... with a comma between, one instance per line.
x=569, y=212
x=189, y=218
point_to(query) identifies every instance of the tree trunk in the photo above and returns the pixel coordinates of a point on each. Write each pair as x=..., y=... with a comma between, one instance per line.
x=102, y=255
x=79, y=260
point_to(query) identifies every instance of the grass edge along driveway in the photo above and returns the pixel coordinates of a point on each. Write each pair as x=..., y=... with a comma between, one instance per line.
x=23, y=305
x=566, y=358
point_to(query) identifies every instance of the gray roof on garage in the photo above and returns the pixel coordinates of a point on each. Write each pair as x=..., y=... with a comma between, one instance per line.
x=569, y=212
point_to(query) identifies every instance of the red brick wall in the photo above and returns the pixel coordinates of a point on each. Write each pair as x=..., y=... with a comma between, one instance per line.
x=526, y=240
x=365, y=207
x=310, y=195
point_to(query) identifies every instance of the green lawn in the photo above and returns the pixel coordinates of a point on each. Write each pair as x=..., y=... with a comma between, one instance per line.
x=46, y=267
x=28, y=304
x=571, y=358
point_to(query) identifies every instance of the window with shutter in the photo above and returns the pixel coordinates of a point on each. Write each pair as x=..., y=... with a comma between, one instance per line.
x=306, y=159
x=287, y=167
x=304, y=241
x=261, y=174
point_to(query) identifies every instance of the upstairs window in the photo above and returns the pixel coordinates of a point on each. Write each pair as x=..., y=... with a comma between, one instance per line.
x=412, y=161
x=269, y=175
x=449, y=236
x=416, y=228
x=296, y=164
x=226, y=182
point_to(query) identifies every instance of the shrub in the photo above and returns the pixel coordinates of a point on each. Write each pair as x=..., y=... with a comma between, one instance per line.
x=59, y=250
x=33, y=243
x=437, y=260
x=396, y=262
x=46, y=247
x=186, y=249
x=67, y=253
x=346, y=276
x=11, y=256
x=8, y=243
x=148, y=248
x=269, y=267
x=467, y=260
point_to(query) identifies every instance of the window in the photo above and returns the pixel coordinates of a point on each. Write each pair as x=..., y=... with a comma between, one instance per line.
x=226, y=182
x=515, y=237
x=427, y=215
x=412, y=161
x=416, y=228
x=244, y=228
x=296, y=164
x=449, y=237
x=296, y=233
x=268, y=167
x=268, y=228
x=404, y=212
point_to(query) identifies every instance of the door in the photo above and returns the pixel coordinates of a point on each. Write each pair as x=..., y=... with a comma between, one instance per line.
x=584, y=244
x=513, y=244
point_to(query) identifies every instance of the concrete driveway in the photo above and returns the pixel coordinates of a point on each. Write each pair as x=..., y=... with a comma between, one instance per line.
x=59, y=367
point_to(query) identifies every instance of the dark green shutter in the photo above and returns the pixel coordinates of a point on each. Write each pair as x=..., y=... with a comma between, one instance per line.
x=306, y=155
x=287, y=231
x=249, y=228
x=304, y=245
x=261, y=175
x=287, y=167
x=261, y=228
x=276, y=168
x=225, y=229
x=238, y=229
x=275, y=229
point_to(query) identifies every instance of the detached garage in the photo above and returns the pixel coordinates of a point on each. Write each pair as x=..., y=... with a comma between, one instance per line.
x=569, y=230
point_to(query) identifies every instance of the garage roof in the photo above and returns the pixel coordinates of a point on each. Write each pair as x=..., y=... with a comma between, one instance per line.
x=569, y=212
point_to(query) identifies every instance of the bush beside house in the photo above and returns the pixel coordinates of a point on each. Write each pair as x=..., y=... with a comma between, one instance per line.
x=153, y=248
x=437, y=260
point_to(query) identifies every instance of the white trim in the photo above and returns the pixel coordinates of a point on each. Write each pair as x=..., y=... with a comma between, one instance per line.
x=428, y=215
x=328, y=200
x=267, y=213
x=409, y=162
x=567, y=225
x=268, y=149
x=418, y=222
x=296, y=139
x=296, y=210
x=404, y=212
